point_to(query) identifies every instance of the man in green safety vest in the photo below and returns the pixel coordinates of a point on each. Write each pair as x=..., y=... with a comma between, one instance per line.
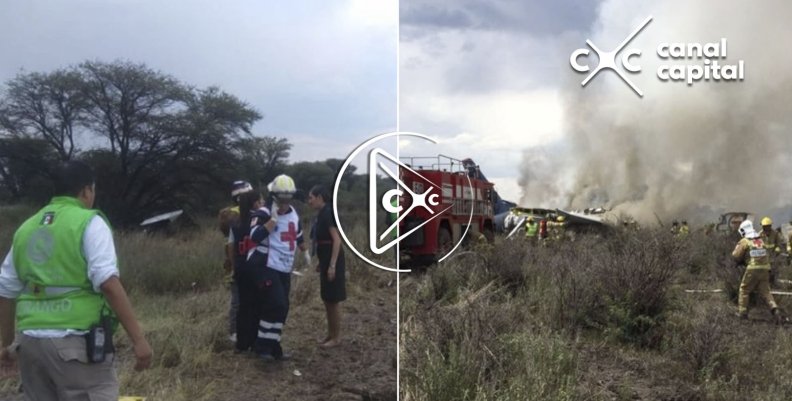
x=531, y=229
x=59, y=287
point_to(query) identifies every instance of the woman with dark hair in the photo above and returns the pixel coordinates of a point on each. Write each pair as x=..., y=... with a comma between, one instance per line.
x=239, y=238
x=327, y=242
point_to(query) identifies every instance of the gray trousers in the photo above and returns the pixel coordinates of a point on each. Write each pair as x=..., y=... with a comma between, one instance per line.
x=56, y=369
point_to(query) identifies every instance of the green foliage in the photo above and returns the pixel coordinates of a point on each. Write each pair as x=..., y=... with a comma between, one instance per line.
x=25, y=168
x=156, y=143
x=542, y=366
x=163, y=144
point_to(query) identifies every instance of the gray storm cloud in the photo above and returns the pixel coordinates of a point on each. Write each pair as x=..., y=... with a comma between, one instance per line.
x=680, y=151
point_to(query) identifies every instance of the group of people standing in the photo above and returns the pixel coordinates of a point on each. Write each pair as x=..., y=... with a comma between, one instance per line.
x=545, y=229
x=61, y=297
x=263, y=236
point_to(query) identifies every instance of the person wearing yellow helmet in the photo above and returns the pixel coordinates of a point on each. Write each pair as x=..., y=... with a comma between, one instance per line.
x=772, y=242
x=531, y=229
x=557, y=228
x=769, y=236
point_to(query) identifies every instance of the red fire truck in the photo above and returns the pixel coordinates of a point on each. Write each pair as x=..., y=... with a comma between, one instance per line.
x=461, y=201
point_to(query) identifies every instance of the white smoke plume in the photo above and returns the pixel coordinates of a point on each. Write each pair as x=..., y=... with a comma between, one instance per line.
x=680, y=151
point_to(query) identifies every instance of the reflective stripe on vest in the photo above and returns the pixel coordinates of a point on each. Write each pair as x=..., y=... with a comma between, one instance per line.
x=758, y=257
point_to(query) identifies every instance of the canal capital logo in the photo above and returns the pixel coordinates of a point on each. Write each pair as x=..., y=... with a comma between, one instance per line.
x=706, y=66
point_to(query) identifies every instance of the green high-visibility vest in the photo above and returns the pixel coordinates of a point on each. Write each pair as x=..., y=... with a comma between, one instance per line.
x=49, y=261
x=531, y=229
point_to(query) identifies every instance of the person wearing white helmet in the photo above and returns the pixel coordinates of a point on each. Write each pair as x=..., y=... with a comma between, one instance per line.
x=751, y=252
x=227, y=218
x=277, y=232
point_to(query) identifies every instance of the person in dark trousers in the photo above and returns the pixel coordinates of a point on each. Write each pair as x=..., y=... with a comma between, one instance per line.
x=59, y=295
x=227, y=218
x=331, y=267
x=277, y=233
x=246, y=275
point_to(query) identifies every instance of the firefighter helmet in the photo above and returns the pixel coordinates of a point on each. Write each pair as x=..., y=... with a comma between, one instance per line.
x=560, y=219
x=282, y=187
x=766, y=221
x=747, y=230
x=238, y=188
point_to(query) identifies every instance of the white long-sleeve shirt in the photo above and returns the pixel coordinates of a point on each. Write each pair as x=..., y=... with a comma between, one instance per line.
x=99, y=252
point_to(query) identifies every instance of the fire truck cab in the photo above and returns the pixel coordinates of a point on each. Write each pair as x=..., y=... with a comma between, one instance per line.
x=461, y=208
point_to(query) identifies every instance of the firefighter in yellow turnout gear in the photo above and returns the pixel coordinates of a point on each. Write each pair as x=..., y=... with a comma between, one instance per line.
x=771, y=238
x=751, y=251
x=772, y=242
x=557, y=229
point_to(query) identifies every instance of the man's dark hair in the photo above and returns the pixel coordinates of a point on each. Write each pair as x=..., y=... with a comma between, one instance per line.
x=321, y=191
x=72, y=176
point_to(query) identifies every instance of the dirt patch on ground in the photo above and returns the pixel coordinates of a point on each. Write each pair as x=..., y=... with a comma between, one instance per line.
x=194, y=360
x=362, y=368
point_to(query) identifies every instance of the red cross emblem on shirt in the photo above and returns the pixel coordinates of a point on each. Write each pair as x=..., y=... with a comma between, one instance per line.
x=290, y=235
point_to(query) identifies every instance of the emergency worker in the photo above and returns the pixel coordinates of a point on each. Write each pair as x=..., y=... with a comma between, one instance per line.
x=228, y=217
x=543, y=231
x=277, y=232
x=674, y=227
x=246, y=276
x=684, y=229
x=751, y=252
x=531, y=229
x=557, y=228
x=61, y=282
x=772, y=242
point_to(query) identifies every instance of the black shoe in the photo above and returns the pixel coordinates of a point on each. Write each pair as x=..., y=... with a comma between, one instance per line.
x=267, y=357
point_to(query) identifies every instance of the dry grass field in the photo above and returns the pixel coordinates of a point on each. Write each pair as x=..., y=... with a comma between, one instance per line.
x=594, y=319
x=186, y=325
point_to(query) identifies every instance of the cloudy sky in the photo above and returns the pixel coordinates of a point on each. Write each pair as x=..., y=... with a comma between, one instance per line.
x=489, y=79
x=323, y=73
x=484, y=76
x=492, y=80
